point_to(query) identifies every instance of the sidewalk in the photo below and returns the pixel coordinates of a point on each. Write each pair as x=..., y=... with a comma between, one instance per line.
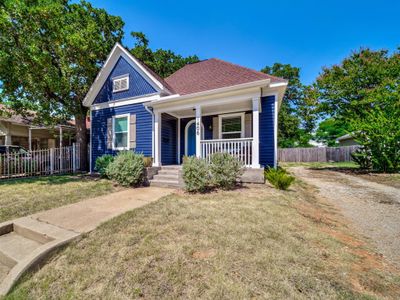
x=25, y=241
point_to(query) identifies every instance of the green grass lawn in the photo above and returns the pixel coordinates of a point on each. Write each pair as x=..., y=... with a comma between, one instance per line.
x=21, y=197
x=254, y=242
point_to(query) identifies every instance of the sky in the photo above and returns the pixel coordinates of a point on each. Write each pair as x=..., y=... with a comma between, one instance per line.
x=306, y=34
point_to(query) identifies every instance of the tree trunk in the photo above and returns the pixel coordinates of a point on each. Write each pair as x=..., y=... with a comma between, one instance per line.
x=81, y=139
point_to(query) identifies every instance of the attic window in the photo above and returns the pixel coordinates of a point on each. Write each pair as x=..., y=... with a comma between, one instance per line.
x=121, y=83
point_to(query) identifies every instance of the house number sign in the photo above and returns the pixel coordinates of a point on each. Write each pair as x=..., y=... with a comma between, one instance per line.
x=197, y=127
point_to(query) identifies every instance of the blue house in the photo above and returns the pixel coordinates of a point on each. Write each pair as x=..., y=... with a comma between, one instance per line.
x=206, y=107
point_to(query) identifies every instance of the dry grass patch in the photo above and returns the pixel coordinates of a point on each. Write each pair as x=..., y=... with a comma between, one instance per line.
x=253, y=242
x=23, y=197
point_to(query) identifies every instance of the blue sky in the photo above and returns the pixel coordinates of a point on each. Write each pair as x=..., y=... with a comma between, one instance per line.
x=307, y=34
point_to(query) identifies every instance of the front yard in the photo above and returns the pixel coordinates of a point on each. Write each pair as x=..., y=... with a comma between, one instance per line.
x=254, y=242
x=23, y=197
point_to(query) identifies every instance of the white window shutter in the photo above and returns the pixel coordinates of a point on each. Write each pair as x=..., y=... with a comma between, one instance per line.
x=132, y=131
x=109, y=133
x=123, y=83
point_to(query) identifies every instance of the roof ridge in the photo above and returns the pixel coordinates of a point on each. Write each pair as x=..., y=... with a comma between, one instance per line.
x=250, y=69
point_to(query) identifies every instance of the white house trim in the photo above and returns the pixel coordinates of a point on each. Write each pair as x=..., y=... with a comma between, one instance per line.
x=242, y=126
x=256, y=133
x=238, y=87
x=127, y=101
x=90, y=141
x=113, y=132
x=186, y=133
x=157, y=139
x=117, y=52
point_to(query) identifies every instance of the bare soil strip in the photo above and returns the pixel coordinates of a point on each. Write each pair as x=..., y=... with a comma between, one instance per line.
x=372, y=207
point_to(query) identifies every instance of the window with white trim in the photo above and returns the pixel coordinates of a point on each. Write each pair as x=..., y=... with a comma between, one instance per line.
x=121, y=132
x=121, y=84
x=231, y=126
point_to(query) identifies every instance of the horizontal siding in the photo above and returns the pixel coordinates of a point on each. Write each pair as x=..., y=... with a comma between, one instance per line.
x=99, y=129
x=138, y=86
x=267, y=119
x=168, y=139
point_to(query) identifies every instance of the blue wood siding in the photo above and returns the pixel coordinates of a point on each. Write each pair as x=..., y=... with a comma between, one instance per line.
x=168, y=139
x=138, y=86
x=267, y=133
x=99, y=129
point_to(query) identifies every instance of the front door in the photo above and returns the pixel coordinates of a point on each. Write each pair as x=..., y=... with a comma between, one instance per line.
x=191, y=140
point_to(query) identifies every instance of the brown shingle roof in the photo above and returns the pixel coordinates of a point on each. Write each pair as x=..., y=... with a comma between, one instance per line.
x=213, y=74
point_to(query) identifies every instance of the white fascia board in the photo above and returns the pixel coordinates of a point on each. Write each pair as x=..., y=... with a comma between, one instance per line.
x=127, y=101
x=117, y=52
x=177, y=97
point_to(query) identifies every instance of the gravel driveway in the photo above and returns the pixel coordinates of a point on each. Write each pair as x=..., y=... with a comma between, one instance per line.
x=373, y=208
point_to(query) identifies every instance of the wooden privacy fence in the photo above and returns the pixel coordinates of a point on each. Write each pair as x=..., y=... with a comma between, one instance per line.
x=40, y=162
x=323, y=154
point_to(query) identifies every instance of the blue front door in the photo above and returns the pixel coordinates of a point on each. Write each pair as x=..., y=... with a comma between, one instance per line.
x=191, y=140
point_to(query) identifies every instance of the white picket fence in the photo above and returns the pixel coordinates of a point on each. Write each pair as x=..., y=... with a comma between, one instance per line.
x=40, y=162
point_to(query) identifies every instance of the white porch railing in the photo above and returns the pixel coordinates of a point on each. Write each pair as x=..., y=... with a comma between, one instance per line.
x=239, y=148
x=40, y=162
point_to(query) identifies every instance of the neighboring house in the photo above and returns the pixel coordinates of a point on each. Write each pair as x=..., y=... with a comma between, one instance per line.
x=205, y=107
x=346, y=140
x=19, y=130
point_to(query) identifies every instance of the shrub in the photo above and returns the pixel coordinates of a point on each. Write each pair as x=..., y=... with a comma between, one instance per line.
x=362, y=157
x=148, y=161
x=225, y=170
x=102, y=163
x=196, y=174
x=127, y=168
x=279, y=178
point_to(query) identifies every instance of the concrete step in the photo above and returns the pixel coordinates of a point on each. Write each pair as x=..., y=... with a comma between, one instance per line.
x=171, y=167
x=3, y=271
x=174, y=177
x=165, y=183
x=16, y=246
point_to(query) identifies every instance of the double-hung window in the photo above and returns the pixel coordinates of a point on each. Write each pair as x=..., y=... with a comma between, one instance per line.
x=232, y=126
x=121, y=132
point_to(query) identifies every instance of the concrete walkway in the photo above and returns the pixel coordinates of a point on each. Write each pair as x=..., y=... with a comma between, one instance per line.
x=25, y=241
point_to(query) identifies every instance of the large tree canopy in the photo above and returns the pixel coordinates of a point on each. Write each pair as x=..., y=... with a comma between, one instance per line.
x=329, y=130
x=50, y=53
x=297, y=114
x=163, y=62
x=344, y=88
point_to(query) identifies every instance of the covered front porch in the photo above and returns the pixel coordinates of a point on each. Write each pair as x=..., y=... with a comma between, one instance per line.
x=230, y=125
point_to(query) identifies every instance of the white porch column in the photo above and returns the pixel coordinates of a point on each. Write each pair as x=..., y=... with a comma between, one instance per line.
x=255, y=162
x=198, y=131
x=157, y=139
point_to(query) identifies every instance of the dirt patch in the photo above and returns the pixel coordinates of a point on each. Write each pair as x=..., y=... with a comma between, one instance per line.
x=372, y=208
x=331, y=222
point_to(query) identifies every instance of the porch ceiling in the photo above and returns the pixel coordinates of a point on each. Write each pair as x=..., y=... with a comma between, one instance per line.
x=244, y=105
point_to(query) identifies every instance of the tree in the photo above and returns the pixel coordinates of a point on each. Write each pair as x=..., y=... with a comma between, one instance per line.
x=344, y=88
x=297, y=115
x=378, y=131
x=329, y=130
x=163, y=62
x=50, y=53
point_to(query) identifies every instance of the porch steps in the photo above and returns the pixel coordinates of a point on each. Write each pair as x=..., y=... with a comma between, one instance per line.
x=168, y=176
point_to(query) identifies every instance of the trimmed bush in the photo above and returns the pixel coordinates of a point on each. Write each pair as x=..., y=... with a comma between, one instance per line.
x=225, y=170
x=102, y=163
x=148, y=161
x=196, y=174
x=279, y=178
x=127, y=168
